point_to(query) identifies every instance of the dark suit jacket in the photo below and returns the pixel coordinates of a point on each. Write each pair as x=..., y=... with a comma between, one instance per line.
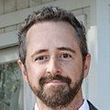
x=91, y=106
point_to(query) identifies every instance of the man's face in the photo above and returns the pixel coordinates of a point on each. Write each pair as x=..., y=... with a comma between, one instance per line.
x=54, y=67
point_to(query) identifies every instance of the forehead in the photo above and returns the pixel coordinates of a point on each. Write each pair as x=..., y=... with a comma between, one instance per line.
x=50, y=35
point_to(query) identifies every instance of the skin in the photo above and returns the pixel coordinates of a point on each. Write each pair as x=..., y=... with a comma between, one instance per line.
x=47, y=45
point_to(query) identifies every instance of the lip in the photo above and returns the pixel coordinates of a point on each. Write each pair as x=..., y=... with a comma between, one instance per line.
x=55, y=82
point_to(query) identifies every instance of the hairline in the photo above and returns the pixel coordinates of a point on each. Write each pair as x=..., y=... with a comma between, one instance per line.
x=66, y=19
x=51, y=21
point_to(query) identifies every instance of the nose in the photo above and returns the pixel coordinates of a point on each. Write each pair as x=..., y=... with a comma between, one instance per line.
x=53, y=67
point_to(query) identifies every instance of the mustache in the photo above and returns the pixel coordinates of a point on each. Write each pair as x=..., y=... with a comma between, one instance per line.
x=45, y=80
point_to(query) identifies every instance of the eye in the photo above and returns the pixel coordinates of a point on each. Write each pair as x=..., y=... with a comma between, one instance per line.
x=42, y=58
x=65, y=56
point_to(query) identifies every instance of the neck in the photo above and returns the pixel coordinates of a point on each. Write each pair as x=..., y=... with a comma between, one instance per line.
x=74, y=105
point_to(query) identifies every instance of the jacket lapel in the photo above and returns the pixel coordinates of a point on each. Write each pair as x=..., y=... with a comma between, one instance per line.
x=91, y=106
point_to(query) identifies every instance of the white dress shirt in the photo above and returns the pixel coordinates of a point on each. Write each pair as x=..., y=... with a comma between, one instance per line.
x=85, y=106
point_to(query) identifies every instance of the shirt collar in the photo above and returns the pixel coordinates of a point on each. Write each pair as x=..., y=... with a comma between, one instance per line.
x=36, y=108
x=84, y=106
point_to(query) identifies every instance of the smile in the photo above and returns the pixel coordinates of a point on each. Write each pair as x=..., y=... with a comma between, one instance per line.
x=55, y=82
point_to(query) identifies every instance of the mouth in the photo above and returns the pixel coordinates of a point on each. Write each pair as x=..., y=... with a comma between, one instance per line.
x=55, y=82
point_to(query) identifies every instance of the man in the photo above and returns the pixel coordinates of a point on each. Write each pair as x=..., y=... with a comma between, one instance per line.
x=54, y=59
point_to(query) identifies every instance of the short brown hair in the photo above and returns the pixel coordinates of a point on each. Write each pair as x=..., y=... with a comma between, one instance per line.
x=52, y=14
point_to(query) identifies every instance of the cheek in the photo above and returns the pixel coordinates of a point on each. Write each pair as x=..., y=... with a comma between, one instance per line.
x=73, y=70
x=34, y=74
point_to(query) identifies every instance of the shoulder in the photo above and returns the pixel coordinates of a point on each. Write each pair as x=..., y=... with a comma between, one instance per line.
x=92, y=107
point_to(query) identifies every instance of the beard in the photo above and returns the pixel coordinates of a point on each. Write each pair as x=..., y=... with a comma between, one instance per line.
x=60, y=95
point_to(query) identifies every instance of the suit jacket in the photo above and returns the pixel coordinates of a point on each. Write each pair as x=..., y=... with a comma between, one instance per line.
x=91, y=106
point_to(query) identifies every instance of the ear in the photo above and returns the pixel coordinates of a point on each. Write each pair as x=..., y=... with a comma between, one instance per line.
x=87, y=61
x=23, y=70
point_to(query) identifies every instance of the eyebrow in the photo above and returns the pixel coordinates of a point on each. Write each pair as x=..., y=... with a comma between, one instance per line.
x=46, y=50
x=39, y=52
x=67, y=49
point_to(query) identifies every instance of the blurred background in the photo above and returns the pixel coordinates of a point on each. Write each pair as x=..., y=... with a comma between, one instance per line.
x=95, y=14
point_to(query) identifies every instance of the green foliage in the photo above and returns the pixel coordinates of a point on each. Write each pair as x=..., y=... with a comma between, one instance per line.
x=9, y=84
